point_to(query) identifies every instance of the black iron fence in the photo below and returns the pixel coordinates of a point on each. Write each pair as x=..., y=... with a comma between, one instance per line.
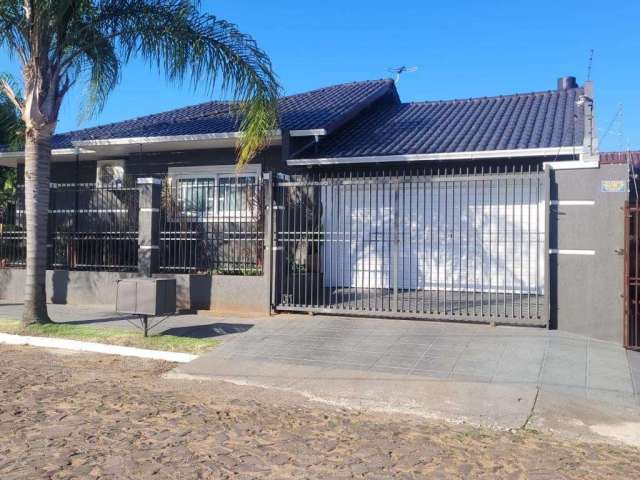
x=212, y=225
x=13, y=246
x=206, y=225
x=456, y=243
x=90, y=228
x=93, y=227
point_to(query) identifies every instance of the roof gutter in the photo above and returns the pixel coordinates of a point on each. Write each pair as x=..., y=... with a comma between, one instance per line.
x=477, y=155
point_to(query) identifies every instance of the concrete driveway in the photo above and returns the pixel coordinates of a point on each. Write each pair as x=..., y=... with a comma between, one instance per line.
x=504, y=377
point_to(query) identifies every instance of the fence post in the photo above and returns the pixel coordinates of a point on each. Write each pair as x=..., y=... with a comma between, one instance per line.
x=149, y=190
x=267, y=257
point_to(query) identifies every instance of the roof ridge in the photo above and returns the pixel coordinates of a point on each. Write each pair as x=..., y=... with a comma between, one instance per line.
x=337, y=85
x=490, y=97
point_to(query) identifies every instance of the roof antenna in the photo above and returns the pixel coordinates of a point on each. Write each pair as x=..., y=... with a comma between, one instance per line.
x=400, y=70
x=590, y=65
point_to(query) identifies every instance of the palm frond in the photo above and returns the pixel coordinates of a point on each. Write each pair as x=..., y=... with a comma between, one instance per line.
x=11, y=125
x=68, y=41
x=185, y=44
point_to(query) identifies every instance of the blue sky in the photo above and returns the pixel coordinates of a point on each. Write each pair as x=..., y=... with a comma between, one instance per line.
x=462, y=48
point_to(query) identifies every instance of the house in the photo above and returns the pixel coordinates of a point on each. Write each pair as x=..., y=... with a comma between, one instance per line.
x=479, y=209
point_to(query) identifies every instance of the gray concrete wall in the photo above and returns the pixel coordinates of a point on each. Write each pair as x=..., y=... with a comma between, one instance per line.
x=96, y=288
x=240, y=293
x=586, y=290
x=88, y=288
x=245, y=294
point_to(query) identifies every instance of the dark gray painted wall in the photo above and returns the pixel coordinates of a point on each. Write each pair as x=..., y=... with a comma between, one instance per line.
x=159, y=163
x=586, y=290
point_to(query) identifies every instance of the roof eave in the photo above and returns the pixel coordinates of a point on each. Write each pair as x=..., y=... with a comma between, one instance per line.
x=576, y=151
x=119, y=145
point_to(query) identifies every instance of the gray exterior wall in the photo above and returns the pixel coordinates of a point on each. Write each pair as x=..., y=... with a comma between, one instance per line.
x=586, y=290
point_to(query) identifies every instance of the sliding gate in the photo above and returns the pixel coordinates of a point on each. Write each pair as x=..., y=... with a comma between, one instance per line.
x=439, y=244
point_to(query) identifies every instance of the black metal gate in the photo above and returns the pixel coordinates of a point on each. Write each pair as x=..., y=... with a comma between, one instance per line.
x=460, y=244
x=632, y=276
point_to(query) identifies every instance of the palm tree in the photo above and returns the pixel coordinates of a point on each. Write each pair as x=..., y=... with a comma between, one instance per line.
x=60, y=43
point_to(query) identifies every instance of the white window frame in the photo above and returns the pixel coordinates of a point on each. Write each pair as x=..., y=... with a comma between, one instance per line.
x=215, y=172
x=108, y=163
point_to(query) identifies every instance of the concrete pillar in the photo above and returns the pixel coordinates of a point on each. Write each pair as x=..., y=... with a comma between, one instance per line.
x=149, y=225
x=586, y=245
x=267, y=260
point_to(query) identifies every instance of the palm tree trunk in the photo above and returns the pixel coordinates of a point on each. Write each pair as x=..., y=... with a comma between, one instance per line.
x=36, y=195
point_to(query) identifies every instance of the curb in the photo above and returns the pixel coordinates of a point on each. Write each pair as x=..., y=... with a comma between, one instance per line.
x=79, y=346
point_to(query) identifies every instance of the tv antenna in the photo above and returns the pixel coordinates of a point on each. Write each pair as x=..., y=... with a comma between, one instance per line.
x=400, y=70
x=590, y=64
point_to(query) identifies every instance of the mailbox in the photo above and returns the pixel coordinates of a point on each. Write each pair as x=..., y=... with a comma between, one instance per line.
x=146, y=296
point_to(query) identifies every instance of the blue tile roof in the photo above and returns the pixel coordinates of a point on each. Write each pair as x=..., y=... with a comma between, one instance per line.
x=326, y=108
x=533, y=120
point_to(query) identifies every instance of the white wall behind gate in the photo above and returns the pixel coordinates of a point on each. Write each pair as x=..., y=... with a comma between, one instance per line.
x=454, y=235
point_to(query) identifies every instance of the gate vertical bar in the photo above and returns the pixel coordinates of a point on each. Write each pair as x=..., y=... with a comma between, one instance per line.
x=395, y=236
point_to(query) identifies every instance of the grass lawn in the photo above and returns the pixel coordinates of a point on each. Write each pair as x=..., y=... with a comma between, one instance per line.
x=113, y=336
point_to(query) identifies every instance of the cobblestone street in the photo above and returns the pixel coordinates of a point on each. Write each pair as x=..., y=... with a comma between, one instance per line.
x=65, y=415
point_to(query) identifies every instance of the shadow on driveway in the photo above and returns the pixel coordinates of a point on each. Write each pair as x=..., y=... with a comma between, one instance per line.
x=208, y=330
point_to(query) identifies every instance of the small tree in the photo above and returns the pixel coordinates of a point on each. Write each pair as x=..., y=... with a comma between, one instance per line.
x=62, y=42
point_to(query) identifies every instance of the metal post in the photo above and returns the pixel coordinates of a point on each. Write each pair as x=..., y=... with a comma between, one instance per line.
x=148, y=225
